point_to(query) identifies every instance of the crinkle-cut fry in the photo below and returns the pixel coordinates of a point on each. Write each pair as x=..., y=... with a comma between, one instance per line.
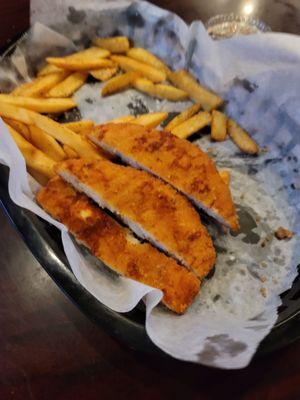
x=20, y=89
x=43, y=84
x=91, y=58
x=241, y=138
x=185, y=81
x=192, y=125
x=160, y=91
x=18, y=126
x=151, y=120
x=147, y=57
x=46, y=143
x=117, y=44
x=129, y=64
x=104, y=74
x=38, y=104
x=121, y=120
x=49, y=69
x=183, y=116
x=70, y=153
x=225, y=175
x=53, y=128
x=119, y=83
x=35, y=159
x=82, y=127
x=69, y=85
x=218, y=126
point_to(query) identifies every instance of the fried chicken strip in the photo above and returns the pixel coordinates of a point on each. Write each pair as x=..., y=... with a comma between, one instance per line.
x=152, y=209
x=176, y=161
x=116, y=246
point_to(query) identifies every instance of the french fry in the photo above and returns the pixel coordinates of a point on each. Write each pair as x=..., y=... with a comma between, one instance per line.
x=225, y=175
x=129, y=64
x=66, y=136
x=53, y=128
x=19, y=127
x=35, y=159
x=117, y=44
x=241, y=138
x=218, y=126
x=43, y=84
x=17, y=113
x=68, y=86
x=85, y=60
x=47, y=144
x=104, y=74
x=146, y=57
x=123, y=119
x=70, y=152
x=38, y=104
x=160, y=91
x=118, y=83
x=185, y=81
x=192, y=125
x=49, y=69
x=183, y=116
x=82, y=127
x=40, y=178
x=19, y=90
x=151, y=120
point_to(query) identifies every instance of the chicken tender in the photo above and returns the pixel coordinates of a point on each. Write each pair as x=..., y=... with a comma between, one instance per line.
x=152, y=209
x=174, y=160
x=116, y=247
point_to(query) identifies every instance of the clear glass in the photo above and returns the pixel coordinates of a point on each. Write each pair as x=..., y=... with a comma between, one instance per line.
x=228, y=25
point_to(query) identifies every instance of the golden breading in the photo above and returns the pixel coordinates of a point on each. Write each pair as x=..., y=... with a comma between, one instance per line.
x=175, y=160
x=152, y=209
x=116, y=247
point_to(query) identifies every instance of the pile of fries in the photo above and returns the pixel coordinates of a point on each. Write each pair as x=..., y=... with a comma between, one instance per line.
x=43, y=141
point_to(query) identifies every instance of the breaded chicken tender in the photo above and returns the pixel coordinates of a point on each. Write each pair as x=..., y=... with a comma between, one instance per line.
x=151, y=208
x=176, y=161
x=116, y=246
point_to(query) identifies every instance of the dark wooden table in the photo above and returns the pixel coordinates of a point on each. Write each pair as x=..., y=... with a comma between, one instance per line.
x=49, y=350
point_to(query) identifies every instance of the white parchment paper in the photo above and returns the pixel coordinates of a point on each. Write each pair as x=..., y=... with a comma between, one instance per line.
x=259, y=76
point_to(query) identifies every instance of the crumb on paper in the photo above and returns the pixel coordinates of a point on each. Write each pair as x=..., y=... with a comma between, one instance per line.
x=264, y=264
x=263, y=279
x=266, y=240
x=263, y=291
x=242, y=196
x=283, y=233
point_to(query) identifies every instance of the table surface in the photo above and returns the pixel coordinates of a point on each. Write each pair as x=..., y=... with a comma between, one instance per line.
x=50, y=350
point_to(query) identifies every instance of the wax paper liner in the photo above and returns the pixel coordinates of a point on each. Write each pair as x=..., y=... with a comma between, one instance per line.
x=259, y=78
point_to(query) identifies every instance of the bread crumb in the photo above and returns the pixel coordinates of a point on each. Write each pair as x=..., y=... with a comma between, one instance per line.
x=283, y=233
x=263, y=292
x=264, y=264
x=265, y=241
